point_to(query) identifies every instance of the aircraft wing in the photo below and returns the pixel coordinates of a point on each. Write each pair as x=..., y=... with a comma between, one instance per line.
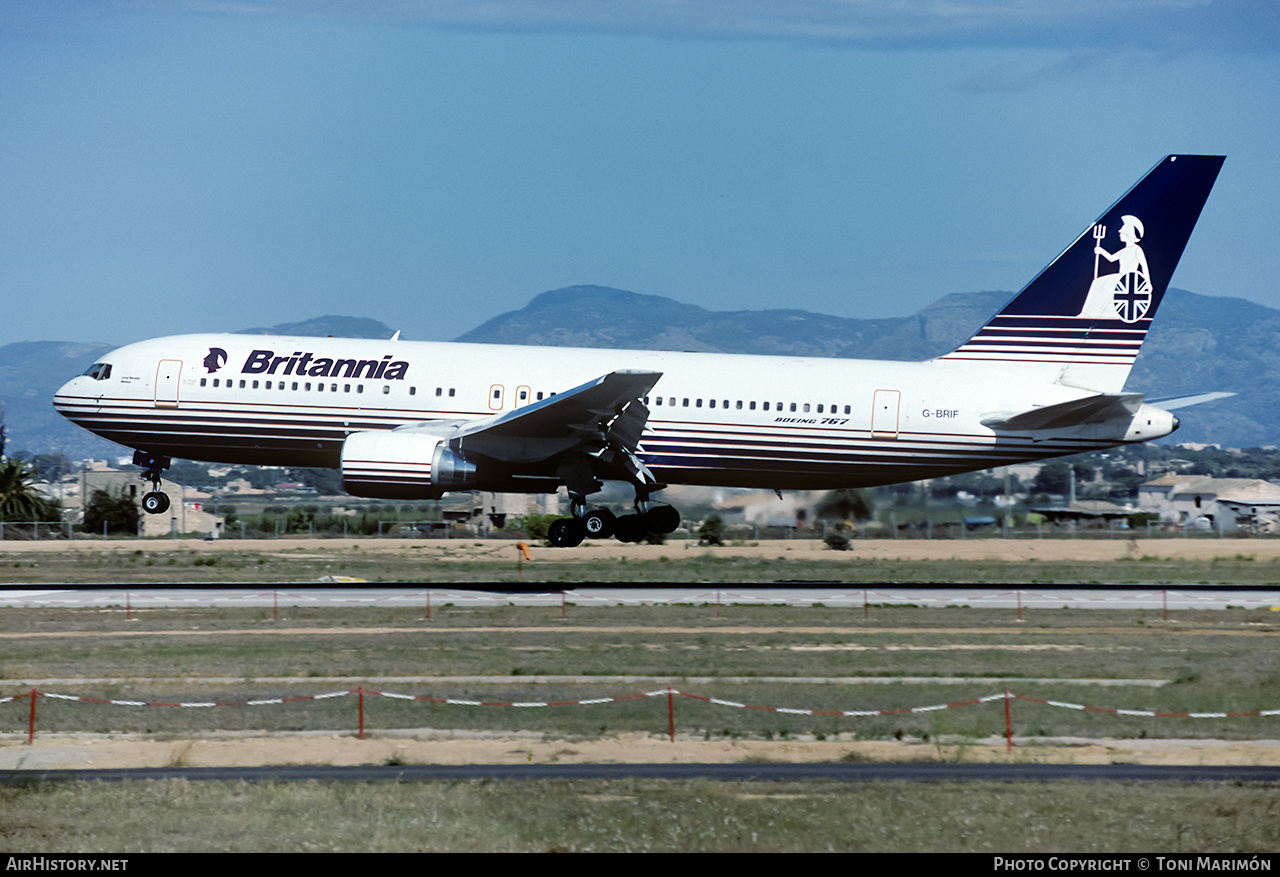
x=605, y=413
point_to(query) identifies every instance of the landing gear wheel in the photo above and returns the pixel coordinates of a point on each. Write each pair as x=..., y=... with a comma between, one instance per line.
x=662, y=519
x=566, y=533
x=599, y=523
x=631, y=528
x=155, y=502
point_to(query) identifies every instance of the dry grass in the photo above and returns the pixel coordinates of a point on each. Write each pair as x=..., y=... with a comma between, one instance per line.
x=639, y=815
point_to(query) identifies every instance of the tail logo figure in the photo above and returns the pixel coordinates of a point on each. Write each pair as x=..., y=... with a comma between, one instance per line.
x=1127, y=293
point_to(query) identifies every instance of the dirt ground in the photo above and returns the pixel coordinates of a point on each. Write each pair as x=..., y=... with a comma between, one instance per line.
x=85, y=751
x=1091, y=549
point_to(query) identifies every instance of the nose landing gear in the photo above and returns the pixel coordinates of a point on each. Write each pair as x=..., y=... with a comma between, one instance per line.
x=154, y=502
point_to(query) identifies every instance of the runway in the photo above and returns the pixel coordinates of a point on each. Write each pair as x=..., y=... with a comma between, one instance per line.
x=1172, y=598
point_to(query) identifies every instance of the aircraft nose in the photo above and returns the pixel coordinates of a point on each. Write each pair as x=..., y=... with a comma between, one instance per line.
x=63, y=399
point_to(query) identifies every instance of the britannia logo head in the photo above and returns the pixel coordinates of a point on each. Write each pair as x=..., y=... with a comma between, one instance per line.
x=215, y=360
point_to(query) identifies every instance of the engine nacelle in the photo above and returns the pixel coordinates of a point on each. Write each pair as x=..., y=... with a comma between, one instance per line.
x=1150, y=423
x=402, y=465
x=451, y=471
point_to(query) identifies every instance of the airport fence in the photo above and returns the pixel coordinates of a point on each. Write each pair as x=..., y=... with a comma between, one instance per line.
x=668, y=694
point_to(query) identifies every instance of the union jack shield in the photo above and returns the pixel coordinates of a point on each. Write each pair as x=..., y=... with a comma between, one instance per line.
x=1131, y=297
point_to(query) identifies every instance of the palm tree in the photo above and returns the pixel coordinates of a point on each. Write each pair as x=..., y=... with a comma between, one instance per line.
x=19, y=499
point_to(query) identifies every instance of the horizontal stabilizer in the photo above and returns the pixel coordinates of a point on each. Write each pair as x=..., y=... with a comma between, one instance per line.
x=1092, y=409
x=1186, y=401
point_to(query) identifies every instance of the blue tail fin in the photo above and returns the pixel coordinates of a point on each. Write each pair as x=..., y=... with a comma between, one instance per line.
x=1084, y=317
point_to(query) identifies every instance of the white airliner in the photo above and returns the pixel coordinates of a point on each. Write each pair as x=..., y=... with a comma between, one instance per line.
x=410, y=420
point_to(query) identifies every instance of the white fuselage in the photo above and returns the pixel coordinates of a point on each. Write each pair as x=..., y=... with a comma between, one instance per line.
x=714, y=419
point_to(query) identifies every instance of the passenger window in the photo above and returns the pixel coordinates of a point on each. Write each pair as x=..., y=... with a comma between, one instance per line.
x=386, y=388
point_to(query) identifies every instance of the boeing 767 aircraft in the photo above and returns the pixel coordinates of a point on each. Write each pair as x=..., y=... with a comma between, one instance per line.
x=413, y=420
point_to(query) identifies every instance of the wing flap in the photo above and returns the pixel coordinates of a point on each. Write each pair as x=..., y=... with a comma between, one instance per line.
x=590, y=417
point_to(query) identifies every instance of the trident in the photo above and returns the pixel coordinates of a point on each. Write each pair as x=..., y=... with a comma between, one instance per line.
x=1099, y=232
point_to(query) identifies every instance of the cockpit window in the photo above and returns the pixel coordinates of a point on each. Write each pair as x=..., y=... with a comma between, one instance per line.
x=99, y=371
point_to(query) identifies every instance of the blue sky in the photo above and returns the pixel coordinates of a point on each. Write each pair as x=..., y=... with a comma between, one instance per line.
x=170, y=167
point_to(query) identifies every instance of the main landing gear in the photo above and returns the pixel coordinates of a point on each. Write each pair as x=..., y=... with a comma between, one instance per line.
x=154, y=502
x=602, y=523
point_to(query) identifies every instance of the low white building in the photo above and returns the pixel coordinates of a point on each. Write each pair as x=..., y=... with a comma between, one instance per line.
x=1200, y=500
x=1255, y=508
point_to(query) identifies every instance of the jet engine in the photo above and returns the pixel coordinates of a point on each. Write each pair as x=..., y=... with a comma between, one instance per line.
x=406, y=464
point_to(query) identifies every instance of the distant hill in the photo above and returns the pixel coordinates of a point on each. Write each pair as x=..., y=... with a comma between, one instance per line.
x=30, y=373
x=1197, y=343
x=323, y=327
x=596, y=316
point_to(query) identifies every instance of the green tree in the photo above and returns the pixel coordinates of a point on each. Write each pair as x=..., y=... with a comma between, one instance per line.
x=535, y=526
x=19, y=499
x=1053, y=477
x=119, y=513
x=325, y=481
x=847, y=505
x=712, y=531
